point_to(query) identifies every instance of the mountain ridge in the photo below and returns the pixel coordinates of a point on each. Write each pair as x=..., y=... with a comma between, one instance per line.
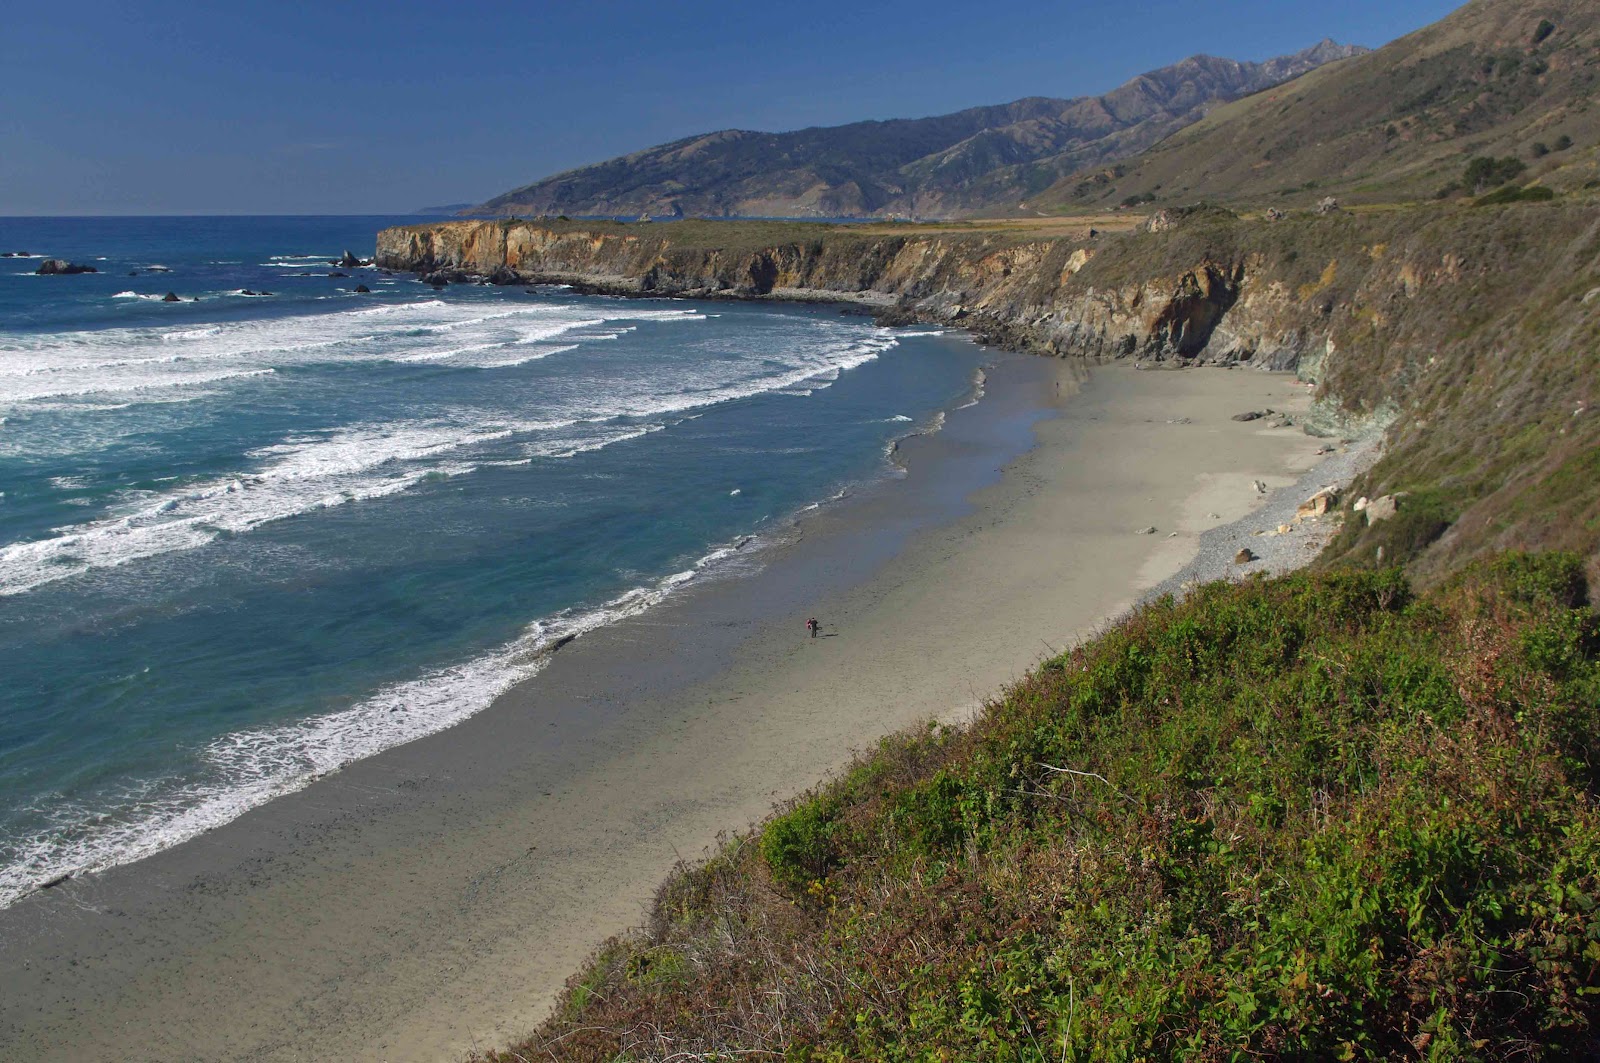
x=978, y=159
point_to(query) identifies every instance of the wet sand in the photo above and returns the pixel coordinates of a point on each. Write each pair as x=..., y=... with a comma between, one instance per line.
x=434, y=898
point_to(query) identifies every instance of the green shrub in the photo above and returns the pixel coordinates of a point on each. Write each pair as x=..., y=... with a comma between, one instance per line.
x=1483, y=173
x=798, y=845
x=1531, y=194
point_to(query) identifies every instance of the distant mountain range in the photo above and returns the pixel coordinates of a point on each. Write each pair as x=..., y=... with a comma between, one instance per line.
x=979, y=160
x=1505, y=79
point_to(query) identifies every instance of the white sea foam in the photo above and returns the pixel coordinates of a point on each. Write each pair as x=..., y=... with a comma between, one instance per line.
x=248, y=768
x=140, y=361
x=297, y=476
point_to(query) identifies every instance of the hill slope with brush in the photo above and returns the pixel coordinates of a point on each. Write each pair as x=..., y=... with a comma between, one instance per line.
x=1317, y=817
x=925, y=167
x=1497, y=79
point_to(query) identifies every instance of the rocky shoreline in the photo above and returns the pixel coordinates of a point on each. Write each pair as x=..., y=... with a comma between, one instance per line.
x=1196, y=286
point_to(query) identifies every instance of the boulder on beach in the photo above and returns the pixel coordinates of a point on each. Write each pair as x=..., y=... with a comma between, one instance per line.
x=1250, y=415
x=1318, y=504
x=1148, y=530
x=61, y=267
x=1244, y=556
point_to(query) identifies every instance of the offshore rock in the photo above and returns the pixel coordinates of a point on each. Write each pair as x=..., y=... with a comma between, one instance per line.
x=61, y=267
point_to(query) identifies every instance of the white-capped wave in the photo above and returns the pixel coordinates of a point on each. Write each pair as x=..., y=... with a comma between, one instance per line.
x=139, y=361
x=297, y=476
x=248, y=768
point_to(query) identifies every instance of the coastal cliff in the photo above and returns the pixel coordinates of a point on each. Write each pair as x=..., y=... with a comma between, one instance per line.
x=1468, y=332
x=1046, y=295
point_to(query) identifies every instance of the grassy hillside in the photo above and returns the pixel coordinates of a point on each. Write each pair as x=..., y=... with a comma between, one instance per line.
x=1497, y=79
x=1318, y=817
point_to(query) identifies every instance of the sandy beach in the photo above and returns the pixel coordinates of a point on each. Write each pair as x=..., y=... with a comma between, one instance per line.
x=434, y=898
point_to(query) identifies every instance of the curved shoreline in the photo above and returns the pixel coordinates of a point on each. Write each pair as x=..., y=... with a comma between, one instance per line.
x=434, y=898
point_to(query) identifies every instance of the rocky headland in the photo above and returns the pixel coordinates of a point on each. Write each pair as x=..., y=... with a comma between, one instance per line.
x=1443, y=324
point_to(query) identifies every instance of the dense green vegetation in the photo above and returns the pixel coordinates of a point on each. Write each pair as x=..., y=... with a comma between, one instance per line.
x=1322, y=816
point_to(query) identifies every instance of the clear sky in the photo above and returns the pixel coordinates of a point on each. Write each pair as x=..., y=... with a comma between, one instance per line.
x=275, y=107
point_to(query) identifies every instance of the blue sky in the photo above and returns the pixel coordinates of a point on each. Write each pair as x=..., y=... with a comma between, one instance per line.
x=282, y=107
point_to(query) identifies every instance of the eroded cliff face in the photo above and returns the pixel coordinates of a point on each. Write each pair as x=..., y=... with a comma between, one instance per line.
x=1041, y=295
x=1471, y=334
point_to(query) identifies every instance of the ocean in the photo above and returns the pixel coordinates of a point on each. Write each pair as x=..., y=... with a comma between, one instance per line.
x=245, y=540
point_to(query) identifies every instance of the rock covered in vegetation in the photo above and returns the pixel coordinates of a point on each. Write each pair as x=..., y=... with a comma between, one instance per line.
x=1382, y=508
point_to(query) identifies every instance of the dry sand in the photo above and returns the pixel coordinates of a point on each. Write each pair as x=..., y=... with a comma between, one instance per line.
x=434, y=898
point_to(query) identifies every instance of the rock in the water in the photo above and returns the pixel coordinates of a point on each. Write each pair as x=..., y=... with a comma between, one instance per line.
x=504, y=275
x=171, y=297
x=1147, y=530
x=1249, y=415
x=1382, y=508
x=349, y=261
x=1318, y=504
x=338, y=274
x=1244, y=556
x=362, y=289
x=61, y=267
x=133, y=273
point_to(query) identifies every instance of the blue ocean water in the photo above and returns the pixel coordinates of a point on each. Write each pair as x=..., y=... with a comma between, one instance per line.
x=246, y=540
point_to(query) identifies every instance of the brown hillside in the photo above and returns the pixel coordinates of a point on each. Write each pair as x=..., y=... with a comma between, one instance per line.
x=1497, y=78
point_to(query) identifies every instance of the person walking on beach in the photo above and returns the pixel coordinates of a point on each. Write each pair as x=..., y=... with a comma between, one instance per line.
x=812, y=625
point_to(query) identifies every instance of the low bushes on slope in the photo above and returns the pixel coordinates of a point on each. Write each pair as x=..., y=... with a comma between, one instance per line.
x=1315, y=817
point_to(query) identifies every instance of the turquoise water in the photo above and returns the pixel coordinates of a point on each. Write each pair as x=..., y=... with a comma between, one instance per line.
x=246, y=540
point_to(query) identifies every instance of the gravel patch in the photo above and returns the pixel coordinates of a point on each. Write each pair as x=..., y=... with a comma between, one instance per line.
x=1275, y=553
